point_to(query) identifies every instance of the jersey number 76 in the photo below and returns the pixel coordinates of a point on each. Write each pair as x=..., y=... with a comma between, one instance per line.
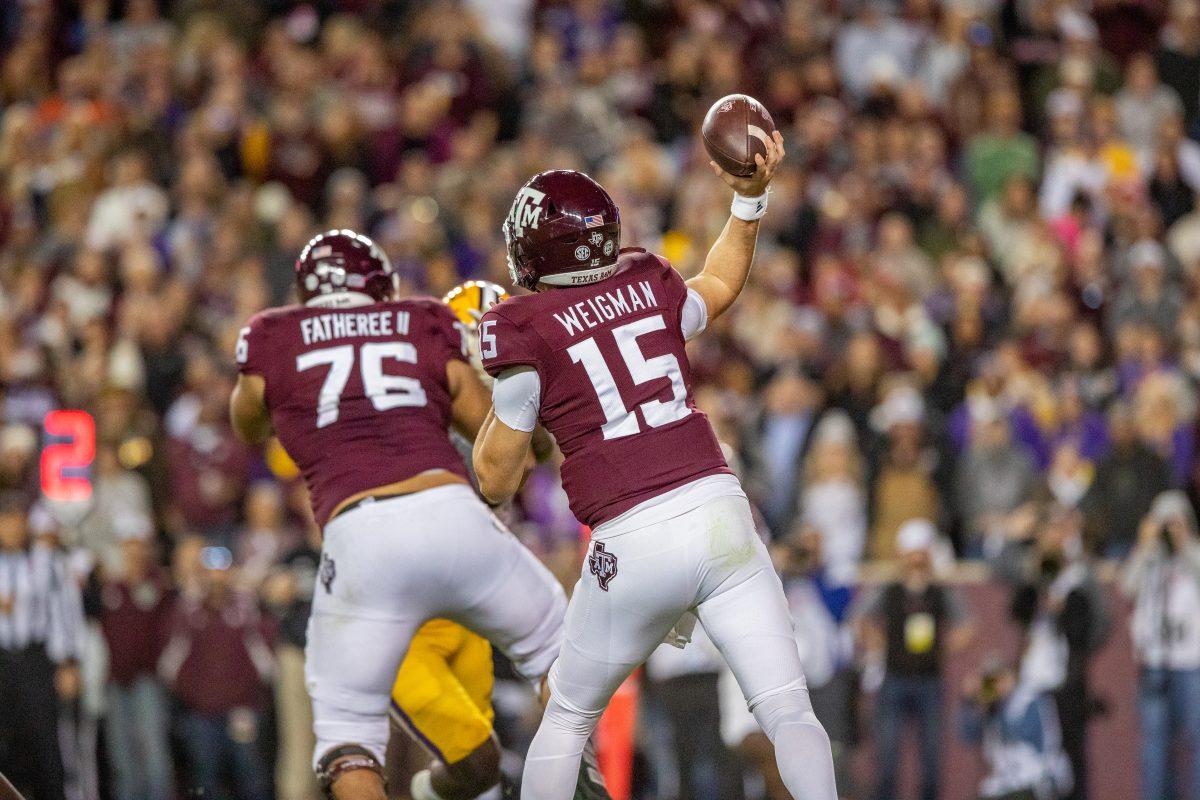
x=386, y=391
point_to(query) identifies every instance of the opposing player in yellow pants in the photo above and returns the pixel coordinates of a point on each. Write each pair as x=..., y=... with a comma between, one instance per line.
x=443, y=698
x=443, y=692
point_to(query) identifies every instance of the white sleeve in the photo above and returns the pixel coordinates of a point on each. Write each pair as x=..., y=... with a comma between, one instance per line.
x=694, y=317
x=516, y=397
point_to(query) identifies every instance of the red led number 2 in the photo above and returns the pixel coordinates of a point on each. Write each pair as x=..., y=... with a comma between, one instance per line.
x=71, y=447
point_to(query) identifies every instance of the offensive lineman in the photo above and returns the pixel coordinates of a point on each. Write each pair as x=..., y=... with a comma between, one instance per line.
x=597, y=355
x=361, y=389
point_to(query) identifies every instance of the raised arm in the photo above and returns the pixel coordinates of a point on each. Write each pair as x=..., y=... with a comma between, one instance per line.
x=728, y=263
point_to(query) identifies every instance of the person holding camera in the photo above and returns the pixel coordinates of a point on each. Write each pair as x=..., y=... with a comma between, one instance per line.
x=1065, y=621
x=1163, y=580
x=911, y=625
x=1016, y=725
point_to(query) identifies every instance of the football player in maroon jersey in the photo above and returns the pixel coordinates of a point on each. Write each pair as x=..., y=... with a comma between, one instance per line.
x=596, y=354
x=361, y=388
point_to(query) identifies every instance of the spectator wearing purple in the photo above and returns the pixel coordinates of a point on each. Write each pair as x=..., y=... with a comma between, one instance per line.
x=1078, y=425
x=134, y=608
x=988, y=392
x=217, y=659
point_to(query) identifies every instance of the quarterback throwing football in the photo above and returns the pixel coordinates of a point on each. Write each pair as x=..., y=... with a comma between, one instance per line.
x=596, y=354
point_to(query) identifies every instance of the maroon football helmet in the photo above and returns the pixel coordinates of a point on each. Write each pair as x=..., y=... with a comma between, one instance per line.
x=344, y=263
x=563, y=230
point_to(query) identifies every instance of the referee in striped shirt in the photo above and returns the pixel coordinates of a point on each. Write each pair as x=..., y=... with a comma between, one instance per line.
x=41, y=626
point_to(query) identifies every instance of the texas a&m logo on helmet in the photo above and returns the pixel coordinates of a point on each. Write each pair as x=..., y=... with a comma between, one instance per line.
x=526, y=210
x=563, y=230
x=602, y=564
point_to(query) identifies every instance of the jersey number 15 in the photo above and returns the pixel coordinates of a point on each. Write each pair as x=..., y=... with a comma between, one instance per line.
x=621, y=421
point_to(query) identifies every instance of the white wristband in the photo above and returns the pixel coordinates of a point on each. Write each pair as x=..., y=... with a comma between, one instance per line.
x=749, y=209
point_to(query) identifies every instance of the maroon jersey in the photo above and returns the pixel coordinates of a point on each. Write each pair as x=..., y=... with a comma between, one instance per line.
x=616, y=383
x=358, y=396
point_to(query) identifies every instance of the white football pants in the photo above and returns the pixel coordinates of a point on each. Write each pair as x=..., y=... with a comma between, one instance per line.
x=708, y=560
x=390, y=565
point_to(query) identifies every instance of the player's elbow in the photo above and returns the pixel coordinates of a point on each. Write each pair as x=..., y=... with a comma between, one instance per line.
x=498, y=480
x=496, y=483
x=248, y=415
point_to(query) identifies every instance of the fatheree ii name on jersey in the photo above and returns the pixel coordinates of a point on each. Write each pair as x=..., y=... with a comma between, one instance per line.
x=346, y=324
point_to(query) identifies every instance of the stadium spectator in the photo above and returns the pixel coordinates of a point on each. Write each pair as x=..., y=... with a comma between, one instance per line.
x=781, y=434
x=912, y=624
x=1179, y=54
x=820, y=609
x=1017, y=727
x=217, y=659
x=1061, y=608
x=1002, y=150
x=287, y=591
x=682, y=685
x=208, y=464
x=1127, y=480
x=995, y=479
x=834, y=505
x=120, y=510
x=905, y=483
x=135, y=599
x=264, y=538
x=1163, y=579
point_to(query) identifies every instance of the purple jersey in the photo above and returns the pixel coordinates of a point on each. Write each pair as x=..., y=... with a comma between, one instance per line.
x=616, y=383
x=358, y=396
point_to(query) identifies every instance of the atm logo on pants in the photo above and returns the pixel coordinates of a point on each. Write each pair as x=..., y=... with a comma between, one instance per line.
x=602, y=564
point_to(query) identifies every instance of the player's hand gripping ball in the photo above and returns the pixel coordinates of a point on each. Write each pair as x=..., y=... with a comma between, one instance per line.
x=736, y=129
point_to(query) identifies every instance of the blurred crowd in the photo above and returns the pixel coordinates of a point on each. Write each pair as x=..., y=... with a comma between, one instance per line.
x=972, y=334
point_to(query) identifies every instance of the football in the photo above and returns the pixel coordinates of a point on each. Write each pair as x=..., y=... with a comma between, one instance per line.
x=735, y=129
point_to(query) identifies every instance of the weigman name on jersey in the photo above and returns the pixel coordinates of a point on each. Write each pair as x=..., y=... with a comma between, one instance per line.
x=607, y=306
x=346, y=324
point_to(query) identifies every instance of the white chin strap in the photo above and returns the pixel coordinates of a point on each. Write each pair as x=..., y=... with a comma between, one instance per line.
x=580, y=277
x=341, y=300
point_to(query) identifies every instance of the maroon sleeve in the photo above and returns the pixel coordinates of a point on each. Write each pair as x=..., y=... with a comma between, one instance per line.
x=253, y=351
x=503, y=345
x=448, y=334
x=675, y=286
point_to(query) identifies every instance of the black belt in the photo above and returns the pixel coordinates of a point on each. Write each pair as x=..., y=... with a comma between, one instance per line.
x=362, y=501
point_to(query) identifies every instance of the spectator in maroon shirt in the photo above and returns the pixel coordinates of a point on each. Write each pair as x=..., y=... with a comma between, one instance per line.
x=134, y=610
x=208, y=464
x=218, y=659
